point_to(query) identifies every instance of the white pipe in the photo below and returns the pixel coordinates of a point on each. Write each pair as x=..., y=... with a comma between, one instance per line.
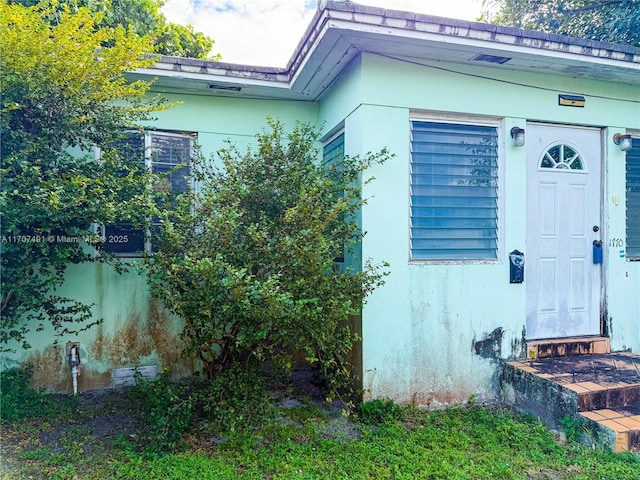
x=74, y=360
x=74, y=374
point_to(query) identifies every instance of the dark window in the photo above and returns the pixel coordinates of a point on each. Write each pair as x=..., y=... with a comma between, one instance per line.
x=161, y=153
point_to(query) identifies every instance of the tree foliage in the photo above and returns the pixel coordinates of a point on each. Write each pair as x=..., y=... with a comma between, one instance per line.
x=247, y=260
x=144, y=17
x=615, y=21
x=62, y=88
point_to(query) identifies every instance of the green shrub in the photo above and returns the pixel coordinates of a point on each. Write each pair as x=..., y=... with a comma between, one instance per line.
x=377, y=412
x=247, y=259
x=235, y=400
x=19, y=401
x=167, y=409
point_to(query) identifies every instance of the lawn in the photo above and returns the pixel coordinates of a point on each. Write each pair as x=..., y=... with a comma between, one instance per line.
x=102, y=437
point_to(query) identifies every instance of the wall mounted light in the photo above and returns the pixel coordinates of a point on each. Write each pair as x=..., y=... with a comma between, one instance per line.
x=623, y=141
x=517, y=134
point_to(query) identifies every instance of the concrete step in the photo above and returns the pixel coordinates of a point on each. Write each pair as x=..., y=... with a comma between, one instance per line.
x=623, y=428
x=600, y=392
x=567, y=347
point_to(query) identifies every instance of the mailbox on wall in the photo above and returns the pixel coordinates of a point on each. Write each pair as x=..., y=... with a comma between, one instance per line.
x=516, y=267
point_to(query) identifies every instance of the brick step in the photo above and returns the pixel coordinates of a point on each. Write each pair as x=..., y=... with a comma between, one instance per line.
x=601, y=392
x=594, y=396
x=567, y=347
x=622, y=428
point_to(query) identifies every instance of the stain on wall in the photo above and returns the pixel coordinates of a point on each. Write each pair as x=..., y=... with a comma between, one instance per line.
x=48, y=368
x=519, y=345
x=490, y=346
x=141, y=339
x=125, y=346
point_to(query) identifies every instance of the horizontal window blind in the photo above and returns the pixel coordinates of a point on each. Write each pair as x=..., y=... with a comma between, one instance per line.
x=454, y=191
x=333, y=152
x=633, y=201
x=333, y=161
x=167, y=152
x=159, y=152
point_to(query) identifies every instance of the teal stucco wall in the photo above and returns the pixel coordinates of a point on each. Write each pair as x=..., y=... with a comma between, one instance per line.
x=136, y=329
x=434, y=333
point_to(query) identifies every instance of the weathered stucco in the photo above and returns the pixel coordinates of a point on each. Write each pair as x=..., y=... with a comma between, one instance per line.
x=435, y=333
x=136, y=330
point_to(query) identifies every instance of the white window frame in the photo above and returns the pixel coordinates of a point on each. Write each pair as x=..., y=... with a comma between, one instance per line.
x=148, y=162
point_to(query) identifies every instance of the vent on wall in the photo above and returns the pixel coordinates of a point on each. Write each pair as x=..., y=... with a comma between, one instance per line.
x=227, y=88
x=126, y=377
x=483, y=57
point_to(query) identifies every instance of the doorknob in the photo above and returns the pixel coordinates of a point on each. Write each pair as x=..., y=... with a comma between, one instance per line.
x=596, y=228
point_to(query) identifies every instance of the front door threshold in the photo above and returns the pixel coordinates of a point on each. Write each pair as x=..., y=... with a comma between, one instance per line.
x=567, y=347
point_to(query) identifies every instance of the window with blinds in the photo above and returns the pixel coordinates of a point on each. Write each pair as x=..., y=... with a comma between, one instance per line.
x=333, y=152
x=454, y=191
x=159, y=152
x=633, y=201
x=121, y=238
x=332, y=160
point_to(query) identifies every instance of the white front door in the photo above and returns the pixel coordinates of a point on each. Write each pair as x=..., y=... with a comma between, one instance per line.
x=563, y=283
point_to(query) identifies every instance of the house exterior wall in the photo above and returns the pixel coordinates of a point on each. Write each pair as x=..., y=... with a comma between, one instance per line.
x=433, y=333
x=136, y=329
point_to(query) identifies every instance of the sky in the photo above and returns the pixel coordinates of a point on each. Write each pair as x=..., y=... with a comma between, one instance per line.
x=266, y=32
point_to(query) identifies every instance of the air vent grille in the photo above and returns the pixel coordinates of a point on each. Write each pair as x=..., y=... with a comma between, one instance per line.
x=227, y=88
x=483, y=57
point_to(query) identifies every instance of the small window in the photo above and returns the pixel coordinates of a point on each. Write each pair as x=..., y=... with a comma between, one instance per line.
x=454, y=191
x=562, y=157
x=633, y=201
x=158, y=152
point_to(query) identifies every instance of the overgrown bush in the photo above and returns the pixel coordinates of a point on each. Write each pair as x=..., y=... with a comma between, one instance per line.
x=167, y=412
x=19, y=401
x=235, y=400
x=378, y=412
x=63, y=89
x=248, y=259
x=232, y=402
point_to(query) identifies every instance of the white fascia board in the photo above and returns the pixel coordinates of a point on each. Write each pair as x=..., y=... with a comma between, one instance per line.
x=248, y=79
x=309, y=45
x=528, y=46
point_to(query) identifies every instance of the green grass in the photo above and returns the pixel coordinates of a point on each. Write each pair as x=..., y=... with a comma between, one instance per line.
x=301, y=443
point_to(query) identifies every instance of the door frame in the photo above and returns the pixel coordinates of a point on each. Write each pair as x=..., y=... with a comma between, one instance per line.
x=601, y=217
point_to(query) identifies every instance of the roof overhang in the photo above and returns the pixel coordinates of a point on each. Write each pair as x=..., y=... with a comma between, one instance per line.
x=340, y=31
